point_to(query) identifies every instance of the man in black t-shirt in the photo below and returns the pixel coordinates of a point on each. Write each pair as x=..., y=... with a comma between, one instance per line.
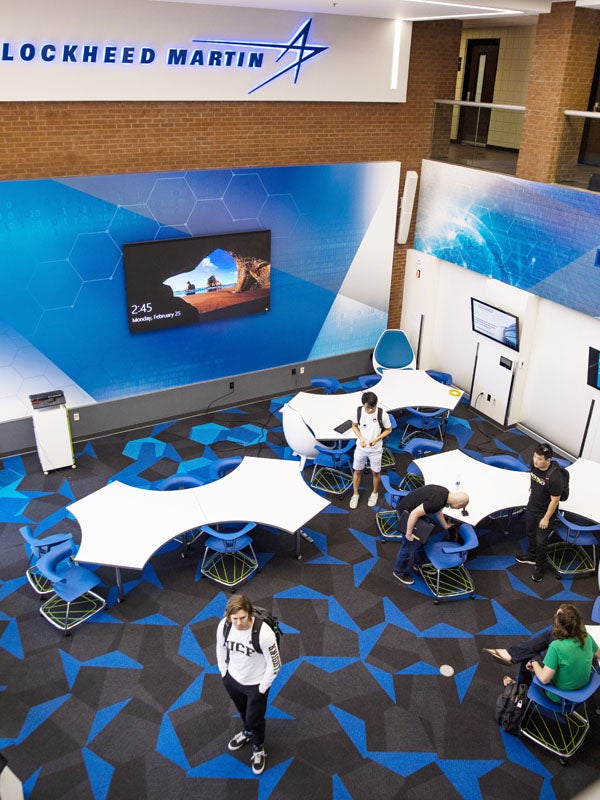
x=428, y=499
x=544, y=496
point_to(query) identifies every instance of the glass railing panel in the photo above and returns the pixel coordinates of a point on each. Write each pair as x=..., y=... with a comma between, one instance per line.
x=482, y=135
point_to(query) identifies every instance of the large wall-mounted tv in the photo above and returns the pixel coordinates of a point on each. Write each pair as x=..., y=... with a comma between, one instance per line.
x=494, y=323
x=172, y=282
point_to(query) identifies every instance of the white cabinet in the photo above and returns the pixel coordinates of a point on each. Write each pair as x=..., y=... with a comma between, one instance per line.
x=53, y=438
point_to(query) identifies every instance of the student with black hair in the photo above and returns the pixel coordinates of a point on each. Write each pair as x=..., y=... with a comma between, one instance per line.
x=371, y=425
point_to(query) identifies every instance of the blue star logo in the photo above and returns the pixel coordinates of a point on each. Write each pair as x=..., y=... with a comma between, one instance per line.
x=297, y=46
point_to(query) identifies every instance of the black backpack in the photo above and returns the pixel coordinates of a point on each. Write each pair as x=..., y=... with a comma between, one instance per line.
x=564, y=474
x=260, y=615
x=510, y=706
x=379, y=416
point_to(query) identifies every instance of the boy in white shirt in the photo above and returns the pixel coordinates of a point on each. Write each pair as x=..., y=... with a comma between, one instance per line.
x=247, y=674
x=371, y=426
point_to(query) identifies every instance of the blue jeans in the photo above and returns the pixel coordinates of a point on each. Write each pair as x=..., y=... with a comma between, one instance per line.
x=409, y=551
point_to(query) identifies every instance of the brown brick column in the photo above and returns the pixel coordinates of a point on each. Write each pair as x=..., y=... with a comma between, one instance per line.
x=562, y=69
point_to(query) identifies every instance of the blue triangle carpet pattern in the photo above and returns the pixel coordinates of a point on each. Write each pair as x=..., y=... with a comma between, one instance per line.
x=131, y=705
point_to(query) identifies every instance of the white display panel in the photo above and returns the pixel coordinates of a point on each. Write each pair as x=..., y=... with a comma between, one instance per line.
x=53, y=438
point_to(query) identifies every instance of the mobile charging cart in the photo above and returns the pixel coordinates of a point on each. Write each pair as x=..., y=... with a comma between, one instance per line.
x=52, y=431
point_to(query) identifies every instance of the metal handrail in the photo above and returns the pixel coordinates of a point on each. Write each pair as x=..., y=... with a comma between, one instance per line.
x=499, y=106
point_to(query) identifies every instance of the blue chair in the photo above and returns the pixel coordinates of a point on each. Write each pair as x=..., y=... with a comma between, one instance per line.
x=559, y=727
x=446, y=575
x=425, y=422
x=413, y=478
x=73, y=601
x=393, y=351
x=330, y=385
x=368, y=381
x=440, y=377
x=229, y=557
x=332, y=471
x=569, y=556
x=506, y=461
x=388, y=459
x=218, y=469
x=38, y=548
x=175, y=483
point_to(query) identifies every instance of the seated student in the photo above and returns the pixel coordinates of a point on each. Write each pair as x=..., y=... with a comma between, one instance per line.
x=428, y=499
x=569, y=653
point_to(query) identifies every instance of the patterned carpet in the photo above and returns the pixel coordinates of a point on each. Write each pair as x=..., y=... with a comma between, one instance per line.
x=131, y=705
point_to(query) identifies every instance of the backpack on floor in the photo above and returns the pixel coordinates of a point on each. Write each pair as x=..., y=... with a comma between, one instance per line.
x=510, y=705
x=261, y=615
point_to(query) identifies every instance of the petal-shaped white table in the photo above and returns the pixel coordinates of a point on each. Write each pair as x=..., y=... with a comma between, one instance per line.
x=398, y=388
x=122, y=526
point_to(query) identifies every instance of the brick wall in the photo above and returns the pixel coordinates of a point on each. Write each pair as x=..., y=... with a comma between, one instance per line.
x=566, y=47
x=40, y=140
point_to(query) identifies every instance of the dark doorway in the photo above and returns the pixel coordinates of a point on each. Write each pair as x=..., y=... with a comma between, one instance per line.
x=478, y=87
x=590, y=140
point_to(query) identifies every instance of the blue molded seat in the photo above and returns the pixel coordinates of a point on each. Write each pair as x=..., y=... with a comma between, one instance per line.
x=220, y=468
x=38, y=548
x=559, y=727
x=446, y=575
x=425, y=422
x=330, y=385
x=332, y=471
x=229, y=556
x=506, y=461
x=393, y=351
x=73, y=602
x=440, y=377
x=569, y=556
x=175, y=483
x=368, y=381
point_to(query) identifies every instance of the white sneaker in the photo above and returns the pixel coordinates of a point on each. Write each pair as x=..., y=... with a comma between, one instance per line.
x=372, y=500
x=354, y=501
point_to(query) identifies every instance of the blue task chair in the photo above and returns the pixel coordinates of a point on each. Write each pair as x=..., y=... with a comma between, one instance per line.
x=332, y=471
x=569, y=556
x=559, y=727
x=368, y=381
x=73, y=602
x=506, y=461
x=330, y=385
x=393, y=351
x=222, y=466
x=37, y=549
x=440, y=377
x=425, y=422
x=229, y=557
x=175, y=483
x=446, y=575
x=413, y=478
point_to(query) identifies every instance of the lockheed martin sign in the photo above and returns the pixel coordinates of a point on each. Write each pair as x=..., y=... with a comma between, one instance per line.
x=145, y=50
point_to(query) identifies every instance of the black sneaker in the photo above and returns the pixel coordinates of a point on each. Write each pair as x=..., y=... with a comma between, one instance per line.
x=259, y=760
x=404, y=578
x=527, y=558
x=239, y=740
x=538, y=575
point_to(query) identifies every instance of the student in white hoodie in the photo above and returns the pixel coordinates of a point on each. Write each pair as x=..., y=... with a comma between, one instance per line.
x=247, y=673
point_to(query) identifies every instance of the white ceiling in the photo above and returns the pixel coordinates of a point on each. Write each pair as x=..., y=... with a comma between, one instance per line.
x=480, y=12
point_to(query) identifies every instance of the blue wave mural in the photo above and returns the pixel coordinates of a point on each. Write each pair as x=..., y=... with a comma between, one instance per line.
x=538, y=237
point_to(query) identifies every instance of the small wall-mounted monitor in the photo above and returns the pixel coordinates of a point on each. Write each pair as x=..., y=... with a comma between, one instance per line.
x=494, y=323
x=593, y=374
x=171, y=282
